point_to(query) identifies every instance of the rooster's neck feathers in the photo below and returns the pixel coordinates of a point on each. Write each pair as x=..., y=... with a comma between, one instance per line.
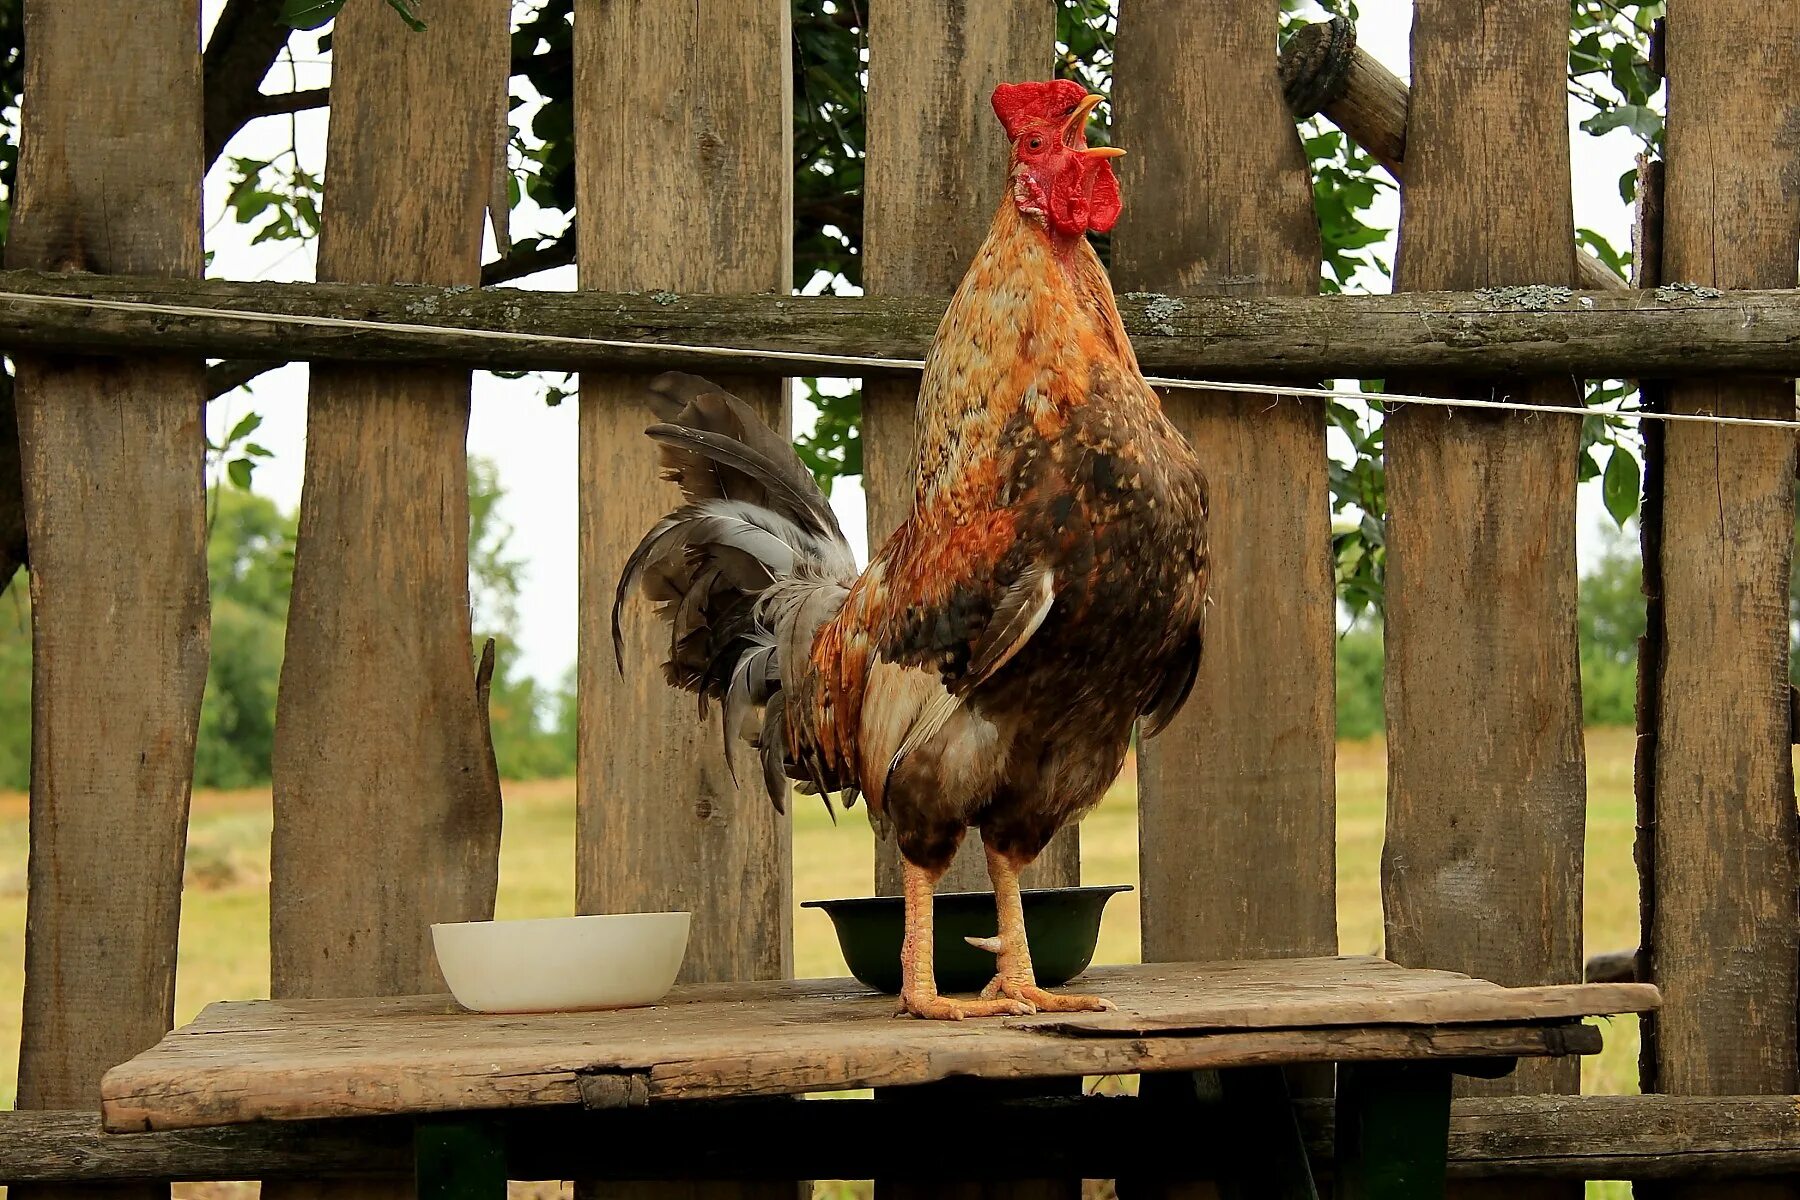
x=1032, y=326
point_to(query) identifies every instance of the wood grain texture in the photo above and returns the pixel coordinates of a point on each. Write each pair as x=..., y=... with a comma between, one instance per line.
x=380, y=745
x=1725, y=933
x=109, y=181
x=1568, y=1137
x=1482, y=867
x=1659, y=332
x=1235, y=798
x=936, y=170
x=293, y=1059
x=13, y=542
x=935, y=173
x=691, y=193
x=1096, y=1137
x=684, y=184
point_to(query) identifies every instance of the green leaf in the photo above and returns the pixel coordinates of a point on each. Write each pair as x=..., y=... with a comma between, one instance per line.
x=1619, y=486
x=240, y=470
x=309, y=14
x=1641, y=119
x=244, y=428
x=408, y=14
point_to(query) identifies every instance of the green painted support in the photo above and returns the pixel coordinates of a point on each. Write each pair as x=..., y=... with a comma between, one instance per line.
x=459, y=1160
x=1393, y=1130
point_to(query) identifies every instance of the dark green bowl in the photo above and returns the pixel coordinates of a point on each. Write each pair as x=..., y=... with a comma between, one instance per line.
x=1062, y=923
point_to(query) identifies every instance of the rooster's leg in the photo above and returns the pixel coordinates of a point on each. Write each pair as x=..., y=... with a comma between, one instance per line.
x=1017, y=980
x=918, y=986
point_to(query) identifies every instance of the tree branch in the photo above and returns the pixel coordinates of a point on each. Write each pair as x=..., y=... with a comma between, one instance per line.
x=275, y=104
x=529, y=260
x=245, y=43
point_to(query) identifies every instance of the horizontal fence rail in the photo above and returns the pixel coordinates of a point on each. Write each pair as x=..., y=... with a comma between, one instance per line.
x=1669, y=331
x=1543, y=1137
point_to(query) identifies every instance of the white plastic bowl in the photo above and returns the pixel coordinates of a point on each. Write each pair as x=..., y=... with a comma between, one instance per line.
x=562, y=964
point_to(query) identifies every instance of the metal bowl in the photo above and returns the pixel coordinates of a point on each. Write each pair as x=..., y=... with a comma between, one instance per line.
x=1062, y=924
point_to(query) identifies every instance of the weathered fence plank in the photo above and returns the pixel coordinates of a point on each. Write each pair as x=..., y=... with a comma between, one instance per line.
x=684, y=183
x=109, y=180
x=937, y=163
x=1235, y=808
x=1482, y=867
x=387, y=801
x=936, y=171
x=1671, y=331
x=13, y=543
x=1725, y=933
x=1522, y=1137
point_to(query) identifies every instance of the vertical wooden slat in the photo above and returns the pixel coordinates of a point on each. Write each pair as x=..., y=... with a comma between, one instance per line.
x=1725, y=931
x=1235, y=799
x=683, y=119
x=109, y=181
x=387, y=803
x=1482, y=867
x=936, y=171
x=682, y=115
x=13, y=547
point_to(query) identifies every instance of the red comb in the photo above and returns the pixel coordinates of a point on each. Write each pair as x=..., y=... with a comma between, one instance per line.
x=1021, y=105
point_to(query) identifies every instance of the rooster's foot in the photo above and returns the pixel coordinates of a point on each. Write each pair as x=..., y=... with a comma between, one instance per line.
x=946, y=1008
x=1041, y=1000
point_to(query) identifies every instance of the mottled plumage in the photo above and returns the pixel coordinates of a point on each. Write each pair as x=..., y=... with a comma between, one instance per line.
x=1046, y=590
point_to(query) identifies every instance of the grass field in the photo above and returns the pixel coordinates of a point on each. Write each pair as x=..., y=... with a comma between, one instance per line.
x=224, y=930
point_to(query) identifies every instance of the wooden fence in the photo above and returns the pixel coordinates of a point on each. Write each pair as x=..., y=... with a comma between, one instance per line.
x=685, y=186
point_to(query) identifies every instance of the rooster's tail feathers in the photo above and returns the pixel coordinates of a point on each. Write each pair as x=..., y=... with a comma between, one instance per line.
x=745, y=571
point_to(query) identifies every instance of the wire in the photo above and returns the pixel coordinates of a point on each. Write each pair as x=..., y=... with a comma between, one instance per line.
x=874, y=362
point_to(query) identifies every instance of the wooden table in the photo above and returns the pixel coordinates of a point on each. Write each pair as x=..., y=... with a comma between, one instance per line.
x=1398, y=1034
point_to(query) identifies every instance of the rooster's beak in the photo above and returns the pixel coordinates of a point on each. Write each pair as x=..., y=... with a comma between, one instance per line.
x=1077, y=124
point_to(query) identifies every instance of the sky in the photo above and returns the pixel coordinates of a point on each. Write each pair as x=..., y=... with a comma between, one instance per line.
x=534, y=445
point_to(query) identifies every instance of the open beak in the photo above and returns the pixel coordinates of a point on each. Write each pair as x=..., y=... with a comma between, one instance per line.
x=1076, y=126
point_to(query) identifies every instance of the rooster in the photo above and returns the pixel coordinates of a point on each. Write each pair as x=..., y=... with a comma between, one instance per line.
x=1045, y=592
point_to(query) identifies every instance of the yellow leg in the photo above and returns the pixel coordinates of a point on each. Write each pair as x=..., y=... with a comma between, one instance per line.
x=918, y=986
x=1016, y=979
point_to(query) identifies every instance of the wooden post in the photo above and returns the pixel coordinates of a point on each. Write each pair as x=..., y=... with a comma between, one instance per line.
x=1236, y=799
x=1486, y=794
x=1725, y=932
x=109, y=181
x=387, y=801
x=13, y=547
x=936, y=170
x=683, y=116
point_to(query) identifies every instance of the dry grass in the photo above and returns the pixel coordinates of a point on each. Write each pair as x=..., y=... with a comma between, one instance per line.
x=224, y=938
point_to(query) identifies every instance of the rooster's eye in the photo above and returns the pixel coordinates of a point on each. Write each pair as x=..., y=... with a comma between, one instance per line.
x=1036, y=143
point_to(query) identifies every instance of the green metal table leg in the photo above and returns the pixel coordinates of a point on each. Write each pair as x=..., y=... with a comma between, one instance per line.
x=1393, y=1130
x=459, y=1160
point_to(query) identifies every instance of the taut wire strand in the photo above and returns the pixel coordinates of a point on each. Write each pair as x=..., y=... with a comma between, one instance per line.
x=811, y=358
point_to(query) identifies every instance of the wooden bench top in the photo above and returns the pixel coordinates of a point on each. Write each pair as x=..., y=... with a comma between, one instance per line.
x=295, y=1059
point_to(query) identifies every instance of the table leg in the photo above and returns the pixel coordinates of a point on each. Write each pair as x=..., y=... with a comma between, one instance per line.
x=1267, y=1157
x=459, y=1160
x=1247, y=1140
x=1393, y=1130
